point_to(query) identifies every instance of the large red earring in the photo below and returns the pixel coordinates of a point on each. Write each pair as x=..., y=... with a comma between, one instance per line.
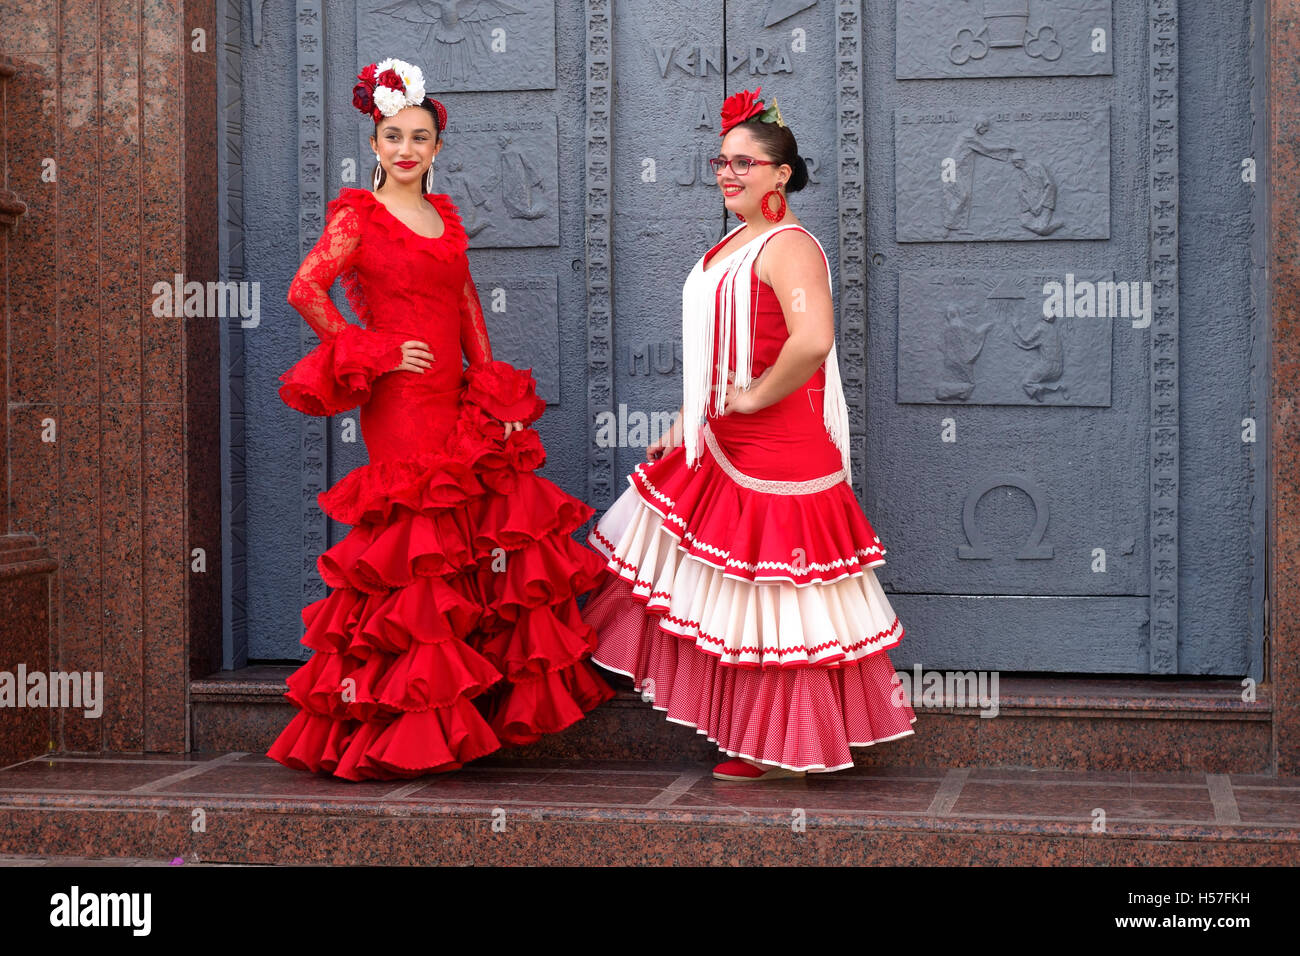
x=767, y=213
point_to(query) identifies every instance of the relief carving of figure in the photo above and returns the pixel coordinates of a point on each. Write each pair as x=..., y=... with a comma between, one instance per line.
x=478, y=200
x=453, y=26
x=961, y=345
x=957, y=193
x=1037, y=196
x=1043, y=339
x=523, y=188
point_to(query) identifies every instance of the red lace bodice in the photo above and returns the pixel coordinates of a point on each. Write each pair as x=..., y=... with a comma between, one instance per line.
x=403, y=286
x=395, y=279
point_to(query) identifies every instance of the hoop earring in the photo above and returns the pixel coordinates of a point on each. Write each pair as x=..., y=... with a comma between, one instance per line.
x=769, y=215
x=428, y=178
x=377, y=179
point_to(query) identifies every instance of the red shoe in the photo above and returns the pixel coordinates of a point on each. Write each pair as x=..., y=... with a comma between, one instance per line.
x=742, y=771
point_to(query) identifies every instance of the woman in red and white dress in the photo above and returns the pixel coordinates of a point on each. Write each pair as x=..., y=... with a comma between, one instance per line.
x=741, y=597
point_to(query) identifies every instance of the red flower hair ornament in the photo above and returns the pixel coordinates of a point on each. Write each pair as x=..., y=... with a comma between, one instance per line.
x=386, y=87
x=746, y=105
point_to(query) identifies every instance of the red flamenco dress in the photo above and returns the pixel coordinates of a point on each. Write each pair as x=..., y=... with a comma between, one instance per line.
x=740, y=596
x=451, y=627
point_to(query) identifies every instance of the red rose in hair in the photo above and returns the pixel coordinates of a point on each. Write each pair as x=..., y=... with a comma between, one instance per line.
x=363, y=98
x=390, y=79
x=739, y=107
x=368, y=74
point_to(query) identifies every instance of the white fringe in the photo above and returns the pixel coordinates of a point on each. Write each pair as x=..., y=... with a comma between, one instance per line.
x=705, y=377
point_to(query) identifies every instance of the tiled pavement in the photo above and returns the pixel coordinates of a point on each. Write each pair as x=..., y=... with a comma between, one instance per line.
x=244, y=808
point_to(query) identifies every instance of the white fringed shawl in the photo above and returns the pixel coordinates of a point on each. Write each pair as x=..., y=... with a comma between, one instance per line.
x=699, y=316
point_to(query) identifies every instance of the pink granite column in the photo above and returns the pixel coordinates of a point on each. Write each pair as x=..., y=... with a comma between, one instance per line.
x=202, y=345
x=1284, y=296
x=26, y=568
x=112, y=434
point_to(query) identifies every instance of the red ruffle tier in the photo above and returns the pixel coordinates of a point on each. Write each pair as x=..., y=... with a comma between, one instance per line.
x=752, y=616
x=800, y=718
x=755, y=536
x=337, y=375
x=452, y=627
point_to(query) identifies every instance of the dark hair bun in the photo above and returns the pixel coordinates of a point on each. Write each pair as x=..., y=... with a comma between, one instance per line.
x=798, y=175
x=779, y=142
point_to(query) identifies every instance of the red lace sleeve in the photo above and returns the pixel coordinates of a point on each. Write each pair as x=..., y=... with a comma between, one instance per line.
x=473, y=330
x=309, y=290
x=337, y=374
x=498, y=388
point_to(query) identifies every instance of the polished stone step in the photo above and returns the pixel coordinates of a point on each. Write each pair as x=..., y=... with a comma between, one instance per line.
x=236, y=807
x=1062, y=723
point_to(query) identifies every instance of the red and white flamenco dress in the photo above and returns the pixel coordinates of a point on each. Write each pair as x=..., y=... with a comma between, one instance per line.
x=740, y=596
x=451, y=626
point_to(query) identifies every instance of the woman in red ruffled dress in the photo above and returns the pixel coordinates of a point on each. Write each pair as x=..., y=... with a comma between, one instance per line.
x=452, y=626
x=740, y=597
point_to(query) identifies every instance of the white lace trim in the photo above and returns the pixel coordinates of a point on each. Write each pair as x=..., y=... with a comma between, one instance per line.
x=808, y=487
x=638, y=475
x=656, y=492
x=743, y=622
x=805, y=568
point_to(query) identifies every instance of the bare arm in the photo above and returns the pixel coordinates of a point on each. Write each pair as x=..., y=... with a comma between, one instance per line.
x=669, y=439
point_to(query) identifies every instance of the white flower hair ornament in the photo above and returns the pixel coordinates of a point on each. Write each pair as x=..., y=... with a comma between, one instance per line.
x=389, y=86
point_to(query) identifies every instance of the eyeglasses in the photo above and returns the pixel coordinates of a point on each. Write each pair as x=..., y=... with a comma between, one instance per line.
x=740, y=165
